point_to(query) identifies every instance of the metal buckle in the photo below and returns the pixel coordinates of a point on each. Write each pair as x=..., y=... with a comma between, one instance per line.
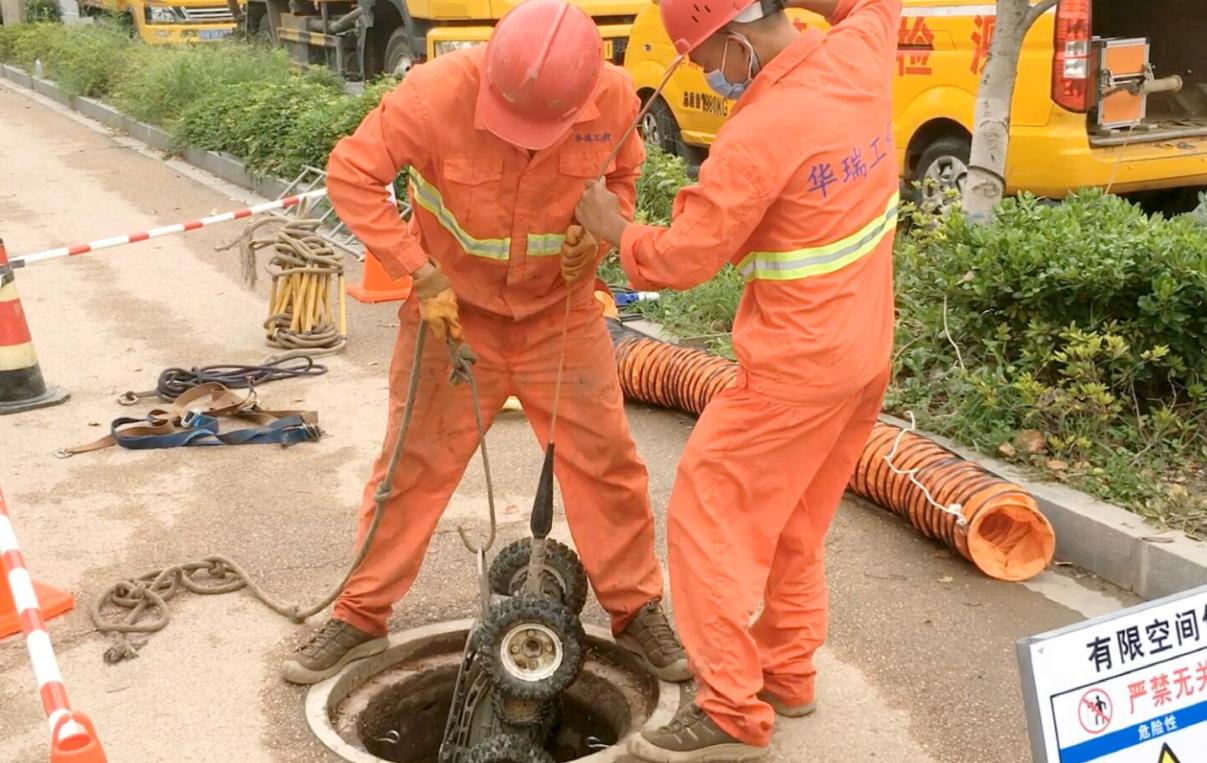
x=190, y=418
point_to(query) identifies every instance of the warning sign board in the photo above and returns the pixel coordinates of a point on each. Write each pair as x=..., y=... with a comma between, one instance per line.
x=1129, y=687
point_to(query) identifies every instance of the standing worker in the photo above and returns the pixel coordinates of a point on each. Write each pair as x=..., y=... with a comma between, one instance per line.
x=498, y=142
x=800, y=194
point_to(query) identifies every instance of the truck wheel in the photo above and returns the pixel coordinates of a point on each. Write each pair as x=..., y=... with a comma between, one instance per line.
x=564, y=577
x=533, y=647
x=508, y=749
x=942, y=170
x=399, y=56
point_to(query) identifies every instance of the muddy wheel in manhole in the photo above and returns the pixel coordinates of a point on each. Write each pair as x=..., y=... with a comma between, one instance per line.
x=508, y=749
x=563, y=576
x=533, y=647
x=393, y=707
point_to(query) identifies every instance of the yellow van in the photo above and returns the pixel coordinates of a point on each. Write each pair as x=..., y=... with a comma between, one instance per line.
x=1106, y=96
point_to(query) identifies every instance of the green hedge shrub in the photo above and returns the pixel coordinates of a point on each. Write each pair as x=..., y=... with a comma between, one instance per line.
x=43, y=11
x=88, y=59
x=1083, y=322
x=160, y=83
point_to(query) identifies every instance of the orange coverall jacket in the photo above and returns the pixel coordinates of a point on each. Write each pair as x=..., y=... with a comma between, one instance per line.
x=494, y=218
x=493, y=221
x=800, y=194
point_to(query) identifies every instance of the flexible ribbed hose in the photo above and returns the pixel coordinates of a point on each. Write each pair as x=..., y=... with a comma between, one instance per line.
x=993, y=523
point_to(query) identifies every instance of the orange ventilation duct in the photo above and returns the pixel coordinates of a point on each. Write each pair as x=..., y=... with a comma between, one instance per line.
x=993, y=523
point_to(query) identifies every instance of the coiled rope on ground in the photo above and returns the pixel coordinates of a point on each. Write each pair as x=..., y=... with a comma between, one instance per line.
x=304, y=267
x=174, y=382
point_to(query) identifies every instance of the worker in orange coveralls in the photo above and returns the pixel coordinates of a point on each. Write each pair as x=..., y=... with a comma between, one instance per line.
x=499, y=141
x=799, y=193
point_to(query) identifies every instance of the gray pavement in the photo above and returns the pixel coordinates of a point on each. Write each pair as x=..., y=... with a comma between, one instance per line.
x=920, y=665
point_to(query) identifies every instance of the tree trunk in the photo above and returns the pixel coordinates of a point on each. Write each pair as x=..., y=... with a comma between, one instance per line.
x=986, y=181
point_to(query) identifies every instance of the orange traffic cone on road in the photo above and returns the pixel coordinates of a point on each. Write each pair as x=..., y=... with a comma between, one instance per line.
x=78, y=747
x=21, y=385
x=377, y=286
x=51, y=602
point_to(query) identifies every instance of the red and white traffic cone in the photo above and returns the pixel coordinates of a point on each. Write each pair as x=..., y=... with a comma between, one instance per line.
x=21, y=385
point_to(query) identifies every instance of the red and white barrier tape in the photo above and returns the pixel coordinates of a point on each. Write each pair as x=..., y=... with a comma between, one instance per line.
x=37, y=640
x=167, y=230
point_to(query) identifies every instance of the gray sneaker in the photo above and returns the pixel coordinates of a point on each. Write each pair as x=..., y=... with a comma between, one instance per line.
x=652, y=639
x=692, y=736
x=329, y=649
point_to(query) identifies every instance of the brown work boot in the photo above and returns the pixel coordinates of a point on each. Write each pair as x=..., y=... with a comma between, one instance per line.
x=692, y=736
x=652, y=639
x=329, y=649
x=786, y=710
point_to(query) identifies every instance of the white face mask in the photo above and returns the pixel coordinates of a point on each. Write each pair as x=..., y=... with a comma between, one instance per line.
x=716, y=78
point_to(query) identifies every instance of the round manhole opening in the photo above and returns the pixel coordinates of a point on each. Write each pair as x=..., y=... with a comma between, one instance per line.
x=394, y=706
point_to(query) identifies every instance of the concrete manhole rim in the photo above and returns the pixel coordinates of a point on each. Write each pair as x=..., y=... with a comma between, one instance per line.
x=318, y=695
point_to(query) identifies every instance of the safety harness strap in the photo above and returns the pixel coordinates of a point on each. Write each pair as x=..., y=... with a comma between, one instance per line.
x=799, y=264
x=193, y=420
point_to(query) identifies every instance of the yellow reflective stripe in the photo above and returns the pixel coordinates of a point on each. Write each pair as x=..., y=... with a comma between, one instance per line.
x=545, y=244
x=820, y=260
x=430, y=199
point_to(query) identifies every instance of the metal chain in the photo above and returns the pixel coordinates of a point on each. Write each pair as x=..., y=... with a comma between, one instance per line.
x=149, y=594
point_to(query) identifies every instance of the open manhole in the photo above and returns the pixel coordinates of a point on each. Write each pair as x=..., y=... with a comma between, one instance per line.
x=393, y=706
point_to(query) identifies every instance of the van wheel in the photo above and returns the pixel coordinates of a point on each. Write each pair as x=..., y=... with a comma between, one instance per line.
x=659, y=127
x=942, y=171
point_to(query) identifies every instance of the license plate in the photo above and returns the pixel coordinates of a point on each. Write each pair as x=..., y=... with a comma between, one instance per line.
x=215, y=34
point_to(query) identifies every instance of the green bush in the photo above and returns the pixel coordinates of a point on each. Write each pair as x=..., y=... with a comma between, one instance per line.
x=328, y=119
x=24, y=44
x=1080, y=323
x=160, y=83
x=86, y=60
x=662, y=176
x=252, y=121
x=43, y=11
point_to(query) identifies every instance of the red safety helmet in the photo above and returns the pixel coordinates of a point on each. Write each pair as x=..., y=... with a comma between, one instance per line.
x=690, y=22
x=542, y=64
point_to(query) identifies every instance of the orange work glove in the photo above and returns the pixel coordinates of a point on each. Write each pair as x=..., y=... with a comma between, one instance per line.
x=438, y=303
x=578, y=252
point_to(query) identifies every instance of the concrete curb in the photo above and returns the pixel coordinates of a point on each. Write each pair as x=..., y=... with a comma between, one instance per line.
x=1109, y=541
x=220, y=164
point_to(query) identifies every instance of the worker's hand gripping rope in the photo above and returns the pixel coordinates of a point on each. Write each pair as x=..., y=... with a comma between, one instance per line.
x=578, y=251
x=438, y=302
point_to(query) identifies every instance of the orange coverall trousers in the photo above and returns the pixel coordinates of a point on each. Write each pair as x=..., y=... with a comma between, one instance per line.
x=603, y=482
x=758, y=485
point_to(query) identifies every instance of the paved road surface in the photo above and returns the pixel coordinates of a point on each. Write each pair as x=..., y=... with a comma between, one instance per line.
x=920, y=665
